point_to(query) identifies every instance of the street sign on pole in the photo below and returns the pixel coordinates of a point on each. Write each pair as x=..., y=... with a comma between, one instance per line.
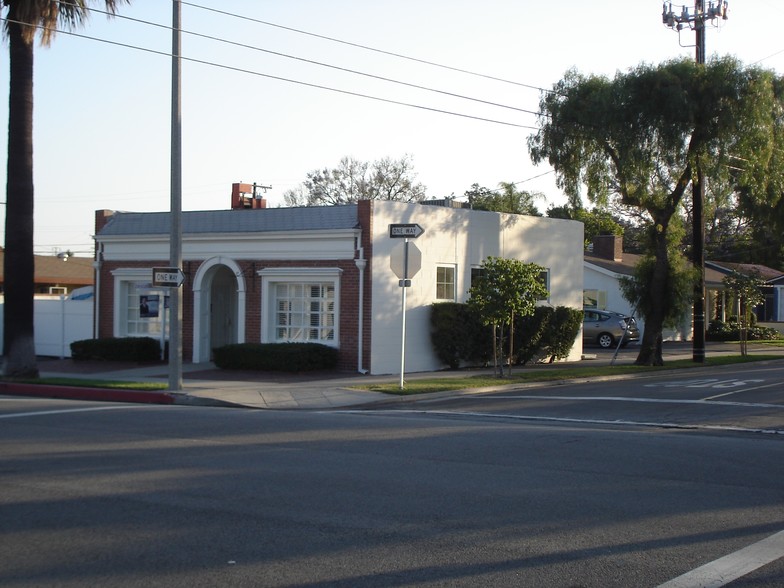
x=405, y=260
x=405, y=231
x=167, y=277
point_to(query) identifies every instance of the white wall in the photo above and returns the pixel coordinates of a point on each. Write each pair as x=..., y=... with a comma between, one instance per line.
x=58, y=323
x=465, y=239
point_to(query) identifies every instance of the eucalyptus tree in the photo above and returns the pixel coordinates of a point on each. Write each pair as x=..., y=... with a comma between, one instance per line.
x=637, y=139
x=26, y=20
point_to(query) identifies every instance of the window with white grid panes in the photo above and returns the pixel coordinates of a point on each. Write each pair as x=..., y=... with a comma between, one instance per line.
x=445, y=282
x=305, y=312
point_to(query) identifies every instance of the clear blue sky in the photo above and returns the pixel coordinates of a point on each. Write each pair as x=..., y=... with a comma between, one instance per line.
x=102, y=110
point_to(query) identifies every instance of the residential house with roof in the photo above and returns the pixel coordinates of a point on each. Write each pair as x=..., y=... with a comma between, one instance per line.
x=772, y=308
x=57, y=274
x=607, y=263
x=321, y=274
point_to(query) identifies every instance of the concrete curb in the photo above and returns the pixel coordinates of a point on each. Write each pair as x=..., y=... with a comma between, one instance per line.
x=77, y=393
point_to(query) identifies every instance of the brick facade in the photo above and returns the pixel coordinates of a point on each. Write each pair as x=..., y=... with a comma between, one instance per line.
x=349, y=294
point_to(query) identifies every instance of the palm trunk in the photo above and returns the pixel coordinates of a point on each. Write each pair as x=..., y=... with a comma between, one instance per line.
x=19, y=262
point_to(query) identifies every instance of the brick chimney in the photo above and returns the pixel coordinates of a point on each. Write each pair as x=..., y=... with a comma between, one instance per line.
x=608, y=247
x=102, y=218
x=245, y=196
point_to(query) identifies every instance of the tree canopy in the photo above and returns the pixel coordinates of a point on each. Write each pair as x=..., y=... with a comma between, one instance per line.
x=505, y=289
x=353, y=180
x=637, y=140
x=595, y=222
x=506, y=199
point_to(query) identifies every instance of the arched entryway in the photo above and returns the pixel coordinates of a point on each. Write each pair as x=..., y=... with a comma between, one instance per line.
x=223, y=308
x=219, y=307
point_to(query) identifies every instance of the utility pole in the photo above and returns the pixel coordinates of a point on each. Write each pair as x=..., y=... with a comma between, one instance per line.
x=698, y=21
x=175, y=239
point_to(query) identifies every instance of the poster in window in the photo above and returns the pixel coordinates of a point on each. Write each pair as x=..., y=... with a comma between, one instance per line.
x=148, y=305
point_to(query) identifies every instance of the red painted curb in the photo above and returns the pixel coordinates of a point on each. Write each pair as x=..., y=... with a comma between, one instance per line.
x=76, y=393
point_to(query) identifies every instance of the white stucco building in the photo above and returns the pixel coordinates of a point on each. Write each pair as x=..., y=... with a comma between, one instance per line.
x=257, y=274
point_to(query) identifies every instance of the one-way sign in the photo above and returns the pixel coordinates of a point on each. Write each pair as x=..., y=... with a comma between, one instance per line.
x=167, y=277
x=407, y=231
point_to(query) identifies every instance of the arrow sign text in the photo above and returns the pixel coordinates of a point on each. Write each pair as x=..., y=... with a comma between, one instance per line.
x=171, y=277
x=407, y=231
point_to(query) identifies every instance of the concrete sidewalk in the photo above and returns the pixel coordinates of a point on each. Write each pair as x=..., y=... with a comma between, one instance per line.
x=204, y=384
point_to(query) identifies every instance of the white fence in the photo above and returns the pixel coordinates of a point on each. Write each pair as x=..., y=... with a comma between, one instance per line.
x=58, y=323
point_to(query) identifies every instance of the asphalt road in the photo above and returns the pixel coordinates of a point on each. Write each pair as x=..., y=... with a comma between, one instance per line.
x=467, y=492
x=744, y=397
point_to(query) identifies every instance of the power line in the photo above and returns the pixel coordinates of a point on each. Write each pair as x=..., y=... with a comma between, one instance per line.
x=366, y=47
x=282, y=79
x=319, y=63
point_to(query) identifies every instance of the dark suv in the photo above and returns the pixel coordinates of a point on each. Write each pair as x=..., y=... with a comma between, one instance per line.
x=605, y=328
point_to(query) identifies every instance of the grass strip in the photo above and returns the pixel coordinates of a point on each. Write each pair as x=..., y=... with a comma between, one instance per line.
x=88, y=383
x=547, y=373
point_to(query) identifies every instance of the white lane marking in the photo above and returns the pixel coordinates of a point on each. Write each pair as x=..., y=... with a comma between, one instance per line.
x=744, y=390
x=523, y=417
x=64, y=411
x=733, y=566
x=704, y=383
x=626, y=399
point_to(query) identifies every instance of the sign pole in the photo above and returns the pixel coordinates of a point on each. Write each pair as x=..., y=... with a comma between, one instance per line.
x=403, y=332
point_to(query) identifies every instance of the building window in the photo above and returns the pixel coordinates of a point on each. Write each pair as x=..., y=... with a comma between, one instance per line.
x=595, y=299
x=305, y=312
x=544, y=279
x=476, y=273
x=445, y=282
x=300, y=305
x=139, y=308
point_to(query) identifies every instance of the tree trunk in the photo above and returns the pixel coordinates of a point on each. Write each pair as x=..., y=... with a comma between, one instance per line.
x=743, y=322
x=495, y=352
x=511, y=345
x=19, y=262
x=651, y=345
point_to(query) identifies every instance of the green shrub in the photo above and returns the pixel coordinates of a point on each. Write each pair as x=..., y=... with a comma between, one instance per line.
x=459, y=337
x=276, y=357
x=548, y=332
x=138, y=349
x=730, y=331
x=529, y=334
x=564, y=328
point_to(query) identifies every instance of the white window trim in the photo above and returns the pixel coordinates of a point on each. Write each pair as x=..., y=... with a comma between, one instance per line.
x=122, y=278
x=453, y=266
x=274, y=275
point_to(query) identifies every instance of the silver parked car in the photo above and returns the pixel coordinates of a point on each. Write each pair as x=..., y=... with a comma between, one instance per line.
x=605, y=328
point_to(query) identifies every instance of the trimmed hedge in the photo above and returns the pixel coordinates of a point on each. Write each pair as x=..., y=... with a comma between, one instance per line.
x=276, y=357
x=549, y=332
x=139, y=349
x=730, y=331
x=459, y=337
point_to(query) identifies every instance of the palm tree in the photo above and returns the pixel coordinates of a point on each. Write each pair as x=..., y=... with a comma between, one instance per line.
x=25, y=19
